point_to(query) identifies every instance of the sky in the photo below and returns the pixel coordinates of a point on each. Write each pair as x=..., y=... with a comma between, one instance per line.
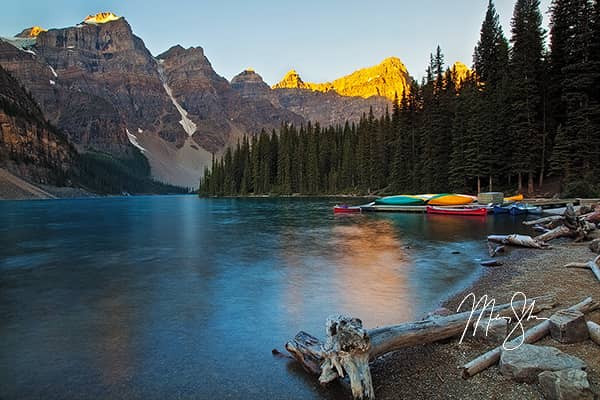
x=321, y=39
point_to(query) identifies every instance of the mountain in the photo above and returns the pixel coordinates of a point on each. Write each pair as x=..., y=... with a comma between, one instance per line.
x=97, y=83
x=387, y=79
x=461, y=70
x=32, y=32
x=29, y=146
x=221, y=111
x=33, y=149
x=329, y=108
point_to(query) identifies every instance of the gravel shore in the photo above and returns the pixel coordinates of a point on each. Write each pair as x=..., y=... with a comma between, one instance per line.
x=433, y=371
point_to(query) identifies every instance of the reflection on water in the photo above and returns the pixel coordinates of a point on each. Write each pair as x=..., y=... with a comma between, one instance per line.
x=372, y=271
x=449, y=227
x=163, y=297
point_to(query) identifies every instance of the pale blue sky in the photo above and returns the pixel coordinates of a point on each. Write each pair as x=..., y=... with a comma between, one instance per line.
x=321, y=39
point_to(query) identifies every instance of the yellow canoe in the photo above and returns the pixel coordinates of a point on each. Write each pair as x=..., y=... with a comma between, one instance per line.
x=450, y=200
x=518, y=197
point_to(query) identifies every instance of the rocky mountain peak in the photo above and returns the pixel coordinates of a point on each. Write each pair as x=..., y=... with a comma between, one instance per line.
x=461, y=70
x=106, y=38
x=388, y=78
x=32, y=32
x=291, y=80
x=247, y=76
x=249, y=83
x=180, y=51
x=393, y=62
x=190, y=59
x=101, y=18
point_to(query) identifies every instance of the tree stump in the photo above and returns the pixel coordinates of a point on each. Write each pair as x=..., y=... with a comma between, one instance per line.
x=347, y=349
x=568, y=326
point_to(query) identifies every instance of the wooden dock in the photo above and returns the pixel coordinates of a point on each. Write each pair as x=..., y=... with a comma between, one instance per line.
x=551, y=203
x=544, y=203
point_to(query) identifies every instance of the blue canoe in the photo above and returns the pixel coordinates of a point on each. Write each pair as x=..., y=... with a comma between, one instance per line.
x=517, y=209
x=501, y=210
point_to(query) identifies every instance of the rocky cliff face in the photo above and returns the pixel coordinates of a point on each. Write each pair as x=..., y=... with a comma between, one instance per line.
x=29, y=146
x=386, y=79
x=221, y=111
x=461, y=71
x=32, y=32
x=99, y=84
x=326, y=107
x=329, y=108
x=113, y=70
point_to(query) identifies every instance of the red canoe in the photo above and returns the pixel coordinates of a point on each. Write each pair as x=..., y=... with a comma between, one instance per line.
x=344, y=209
x=456, y=211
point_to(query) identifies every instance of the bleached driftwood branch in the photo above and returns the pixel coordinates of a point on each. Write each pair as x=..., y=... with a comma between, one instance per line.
x=531, y=335
x=518, y=240
x=349, y=347
x=591, y=265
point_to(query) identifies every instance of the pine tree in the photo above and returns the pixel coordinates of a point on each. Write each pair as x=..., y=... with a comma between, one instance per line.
x=490, y=60
x=526, y=69
x=491, y=53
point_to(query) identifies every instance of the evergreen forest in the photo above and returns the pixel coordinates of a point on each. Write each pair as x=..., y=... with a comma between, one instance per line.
x=528, y=112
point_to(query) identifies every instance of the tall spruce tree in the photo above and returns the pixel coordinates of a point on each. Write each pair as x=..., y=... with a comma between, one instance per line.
x=526, y=68
x=490, y=61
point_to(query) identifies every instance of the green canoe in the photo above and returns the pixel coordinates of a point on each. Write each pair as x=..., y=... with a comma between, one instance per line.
x=400, y=200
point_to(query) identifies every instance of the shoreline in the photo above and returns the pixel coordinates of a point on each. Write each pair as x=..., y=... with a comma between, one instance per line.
x=432, y=371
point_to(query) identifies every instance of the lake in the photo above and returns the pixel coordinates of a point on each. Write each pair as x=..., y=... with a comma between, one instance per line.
x=179, y=297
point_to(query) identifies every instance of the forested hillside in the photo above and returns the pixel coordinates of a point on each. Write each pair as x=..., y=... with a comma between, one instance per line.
x=524, y=114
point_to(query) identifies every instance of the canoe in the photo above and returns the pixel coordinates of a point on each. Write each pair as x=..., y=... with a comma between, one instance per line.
x=400, y=200
x=344, y=209
x=447, y=199
x=501, y=210
x=478, y=211
x=425, y=197
x=516, y=210
x=518, y=197
x=525, y=209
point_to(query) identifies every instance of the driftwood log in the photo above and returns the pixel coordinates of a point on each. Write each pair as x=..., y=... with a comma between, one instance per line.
x=591, y=265
x=593, y=217
x=594, y=329
x=495, y=249
x=491, y=263
x=349, y=347
x=518, y=240
x=569, y=224
x=531, y=335
x=545, y=220
x=559, y=231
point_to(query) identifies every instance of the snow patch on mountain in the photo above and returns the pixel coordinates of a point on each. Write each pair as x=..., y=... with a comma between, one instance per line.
x=188, y=125
x=133, y=140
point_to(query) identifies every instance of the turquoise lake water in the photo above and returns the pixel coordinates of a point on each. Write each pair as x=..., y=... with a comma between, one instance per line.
x=179, y=297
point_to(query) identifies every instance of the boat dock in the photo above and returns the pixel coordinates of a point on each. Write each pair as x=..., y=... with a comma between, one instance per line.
x=544, y=203
x=551, y=203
